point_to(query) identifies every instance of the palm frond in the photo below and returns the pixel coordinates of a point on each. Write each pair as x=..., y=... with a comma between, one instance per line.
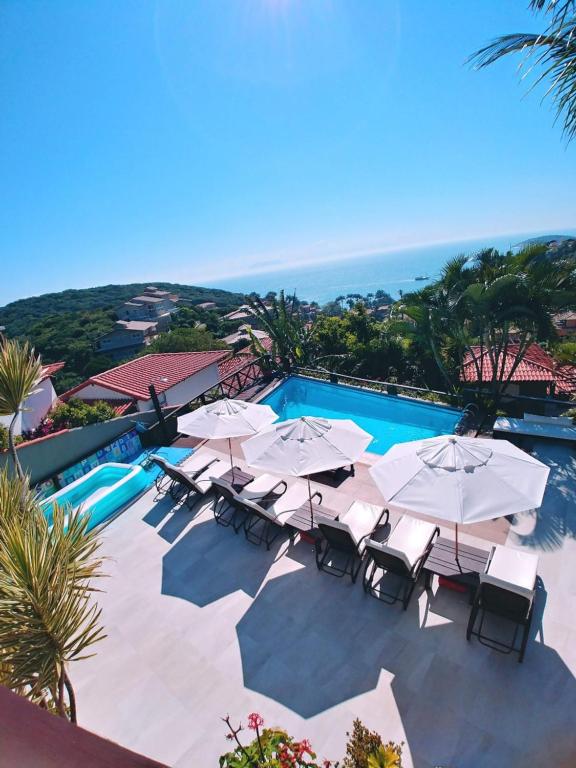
x=551, y=54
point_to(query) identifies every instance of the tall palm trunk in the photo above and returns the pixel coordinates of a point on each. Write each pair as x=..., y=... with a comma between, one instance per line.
x=12, y=448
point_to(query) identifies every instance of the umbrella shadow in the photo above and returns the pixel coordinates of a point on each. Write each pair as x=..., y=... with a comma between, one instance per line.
x=210, y=562
x=556, y=518
x=311, y=641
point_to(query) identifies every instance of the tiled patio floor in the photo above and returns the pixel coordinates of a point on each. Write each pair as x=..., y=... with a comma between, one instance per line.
x=202, y=624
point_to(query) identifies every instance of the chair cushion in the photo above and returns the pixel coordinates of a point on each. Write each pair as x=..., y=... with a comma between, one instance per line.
x=384, y=547
x=410, y=537
x=512, y=569
x=260, y=486
x=361, y=519
x=198, y=461
x=204, y=480
x=285, y=506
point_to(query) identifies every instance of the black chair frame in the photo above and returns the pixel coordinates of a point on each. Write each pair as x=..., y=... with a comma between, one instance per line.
x=338, y=540
x=502, y=602
x=408, y=577
x=258, y=527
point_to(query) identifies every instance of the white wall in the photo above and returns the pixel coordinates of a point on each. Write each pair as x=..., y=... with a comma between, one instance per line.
x=177, y=395
x=35, y=408
x=186, y=390
x=95, y=391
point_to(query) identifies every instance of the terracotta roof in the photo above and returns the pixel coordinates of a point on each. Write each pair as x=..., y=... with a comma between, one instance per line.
x=537, y=365
x=235, y=363
x=51, y=369
x=163, y=370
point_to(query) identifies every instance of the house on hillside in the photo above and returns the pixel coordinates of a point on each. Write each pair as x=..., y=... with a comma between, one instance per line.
x=38, y=404
x=537, y=375
x=565, y=323
x=206, y=305
x=127, y=338
x=177, y=377
x=153, y=305
x=241, y=338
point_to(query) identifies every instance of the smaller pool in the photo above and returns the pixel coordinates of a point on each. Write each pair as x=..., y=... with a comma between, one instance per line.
x=389, y=419
x=101, y=492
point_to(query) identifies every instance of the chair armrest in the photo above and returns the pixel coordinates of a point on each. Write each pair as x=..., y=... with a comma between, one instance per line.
x=319, y=495
x=424, y=556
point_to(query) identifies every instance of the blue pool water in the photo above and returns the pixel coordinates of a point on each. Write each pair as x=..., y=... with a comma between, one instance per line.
x=387, y=418
x=107, y=488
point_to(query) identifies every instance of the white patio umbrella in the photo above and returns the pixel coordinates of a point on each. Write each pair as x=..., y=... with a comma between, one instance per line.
x=461, y=479
x=301, y=447
x=226, y=419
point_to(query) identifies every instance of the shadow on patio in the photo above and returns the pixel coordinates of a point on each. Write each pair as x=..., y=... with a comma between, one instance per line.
x=311, y=642
x=209, y=562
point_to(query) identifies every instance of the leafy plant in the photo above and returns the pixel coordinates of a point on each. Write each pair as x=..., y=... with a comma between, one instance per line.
x=292, y=336
x=77, y=413
x=47, y=618
x=20, y=374
x=551, y=52
x=271, y=748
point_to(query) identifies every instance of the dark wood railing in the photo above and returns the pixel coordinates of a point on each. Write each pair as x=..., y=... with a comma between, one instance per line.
x=165, y=430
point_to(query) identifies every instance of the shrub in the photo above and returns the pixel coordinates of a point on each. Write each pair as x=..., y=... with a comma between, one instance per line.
x=274, y=748
x=77, y=413
x=4, y=438
x=365, y=749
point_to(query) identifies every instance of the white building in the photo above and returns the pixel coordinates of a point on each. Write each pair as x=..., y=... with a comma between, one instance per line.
x=38, y=404
x=178, y=377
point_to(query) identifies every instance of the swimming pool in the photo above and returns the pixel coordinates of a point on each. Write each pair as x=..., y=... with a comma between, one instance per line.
x=101, y=492
x=387, y=418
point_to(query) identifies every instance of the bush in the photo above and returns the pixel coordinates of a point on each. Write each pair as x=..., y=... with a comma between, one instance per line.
x=77, y=413
x=365, y=749
x=4, y=438
x=274, y=748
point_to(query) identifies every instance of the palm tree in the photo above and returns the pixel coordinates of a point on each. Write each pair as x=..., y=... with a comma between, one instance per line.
x=553, y=52
x=47, y=619
x=20, y=374
x=292, y=337
x=482, y=308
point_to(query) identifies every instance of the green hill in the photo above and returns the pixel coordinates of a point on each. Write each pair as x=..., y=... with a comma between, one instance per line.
x=65, y=325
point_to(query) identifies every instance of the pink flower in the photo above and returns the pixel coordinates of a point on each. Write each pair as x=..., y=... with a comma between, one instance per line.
x=255, y=721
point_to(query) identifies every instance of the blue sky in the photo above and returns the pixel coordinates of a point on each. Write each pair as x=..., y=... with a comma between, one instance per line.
x=190, y=140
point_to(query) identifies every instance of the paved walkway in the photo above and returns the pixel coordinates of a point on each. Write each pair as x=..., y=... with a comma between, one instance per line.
x=202, y=624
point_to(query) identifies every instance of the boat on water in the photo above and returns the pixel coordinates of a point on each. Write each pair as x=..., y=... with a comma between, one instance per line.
x=422, y=277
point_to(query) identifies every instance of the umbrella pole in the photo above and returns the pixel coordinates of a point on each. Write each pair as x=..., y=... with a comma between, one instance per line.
x=231, y=459
x=310, y=500
x=456, y=531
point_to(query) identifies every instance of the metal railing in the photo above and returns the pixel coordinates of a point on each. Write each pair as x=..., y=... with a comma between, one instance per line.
x=165, y=430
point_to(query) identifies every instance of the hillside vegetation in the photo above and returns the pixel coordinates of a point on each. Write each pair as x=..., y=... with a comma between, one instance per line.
x=66, y=325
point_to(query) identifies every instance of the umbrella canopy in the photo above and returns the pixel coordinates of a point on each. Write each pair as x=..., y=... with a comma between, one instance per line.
x=307, y=445
x=461, y=479
x=226, y=418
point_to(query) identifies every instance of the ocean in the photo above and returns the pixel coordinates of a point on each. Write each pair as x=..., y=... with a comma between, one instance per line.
x=393, y=271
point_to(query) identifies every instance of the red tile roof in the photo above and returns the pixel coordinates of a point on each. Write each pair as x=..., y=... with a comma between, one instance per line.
x=537, y=365
x=51, y=369
x=163, y=370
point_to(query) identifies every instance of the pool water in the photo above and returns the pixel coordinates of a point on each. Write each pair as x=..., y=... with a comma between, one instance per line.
x=107, y=488
x=100, y=493
x=387, y=418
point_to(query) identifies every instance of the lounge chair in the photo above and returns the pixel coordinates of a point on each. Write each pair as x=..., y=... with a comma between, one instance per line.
x=507, y=589
x=347, y=536
x=403, y=553
x=265, y=519
x=227, y=509
x=184, y=487
x=198, y=462
x=162, y=480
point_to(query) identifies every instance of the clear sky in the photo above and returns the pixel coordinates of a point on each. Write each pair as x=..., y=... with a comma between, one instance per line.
x=189, y=140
